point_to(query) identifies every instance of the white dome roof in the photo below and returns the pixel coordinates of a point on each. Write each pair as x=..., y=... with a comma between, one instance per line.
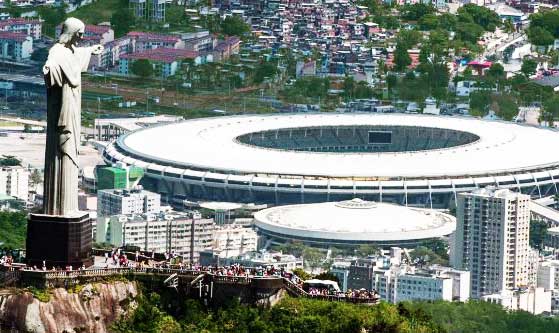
x=355, y=220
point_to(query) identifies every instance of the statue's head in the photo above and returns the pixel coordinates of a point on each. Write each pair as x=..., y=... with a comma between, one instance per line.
x=72, y=31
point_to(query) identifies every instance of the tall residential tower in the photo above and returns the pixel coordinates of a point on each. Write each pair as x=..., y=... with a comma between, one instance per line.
x=492, y=239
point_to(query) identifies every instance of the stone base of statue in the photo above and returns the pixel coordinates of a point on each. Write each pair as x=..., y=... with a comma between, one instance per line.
x=60, y=241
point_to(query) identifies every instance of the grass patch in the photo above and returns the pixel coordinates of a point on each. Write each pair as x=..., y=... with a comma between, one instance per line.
x=99, y=11
x=9, y=124
x=43, y=295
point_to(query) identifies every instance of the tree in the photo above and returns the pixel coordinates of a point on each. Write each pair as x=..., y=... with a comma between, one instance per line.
x=508, y=26
x=234, y=26
x=52, y=16
x=482, y=16
x=416, y=11
x=529, y=66
x=538, y=231
x=40, y=55
x=496, y=71
x=540, y=37
x=401, y=57
x=264, y=70
x=479, y=102
x=122, y=22
x=428, y=22
x=302, y=274
x=551, y=109
x=391, y=81
x=367, y=250
x=14, y=229
x=448, y=22
x=505, y=106
x=409, y=38
x=36, y=178
x=327, y=276
x=312, y=257
x=142, y=67
x=438, y=43
x=469, y=32
x=9, y=160
x=547, y=20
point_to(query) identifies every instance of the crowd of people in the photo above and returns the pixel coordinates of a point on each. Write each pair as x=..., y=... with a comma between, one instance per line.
x=6, y=260
x=118, y=258
x=361, y=294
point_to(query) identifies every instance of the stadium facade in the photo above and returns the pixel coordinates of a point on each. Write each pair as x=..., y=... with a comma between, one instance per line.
x=414, y=160
x=352, y=223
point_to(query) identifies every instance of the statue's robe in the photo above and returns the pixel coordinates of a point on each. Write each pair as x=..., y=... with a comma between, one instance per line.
x=63, y=80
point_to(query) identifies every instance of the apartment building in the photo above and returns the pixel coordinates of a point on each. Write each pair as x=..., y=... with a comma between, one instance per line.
x=14, y=181
x=492, y=240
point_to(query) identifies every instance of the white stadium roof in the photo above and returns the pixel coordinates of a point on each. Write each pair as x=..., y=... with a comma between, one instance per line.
x=211, y=144
x=355, y=220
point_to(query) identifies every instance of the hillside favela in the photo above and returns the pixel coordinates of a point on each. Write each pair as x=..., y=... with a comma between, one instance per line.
x=279, y=166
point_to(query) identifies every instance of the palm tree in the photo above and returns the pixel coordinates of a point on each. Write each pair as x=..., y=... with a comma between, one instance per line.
x=508, y=26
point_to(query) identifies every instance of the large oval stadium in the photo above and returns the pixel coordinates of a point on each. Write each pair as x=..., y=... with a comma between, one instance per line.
x=415, y=160
x=353, y=222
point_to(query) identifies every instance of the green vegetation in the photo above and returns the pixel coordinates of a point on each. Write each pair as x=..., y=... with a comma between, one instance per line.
x=52, y=17
x=538, y=231
x=481, y=317
x=13, y=228
x=164, y=313
x=234, y=26
x=142, y=67
x=529, y=66
x=9, y=160
x=432, y=252
x=43, y=295
x=367, y=250
x=544, y=27
x=307, y=87
x=122, y=22
x=290, y=315
x=100, y=11
x=551, y=109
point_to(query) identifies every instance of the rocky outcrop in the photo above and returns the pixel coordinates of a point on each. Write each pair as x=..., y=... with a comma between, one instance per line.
x=89, y=309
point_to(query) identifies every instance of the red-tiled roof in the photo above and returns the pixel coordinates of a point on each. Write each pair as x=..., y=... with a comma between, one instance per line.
x=162, y=54
x=18, y=36
x=18, y=21
x=96, y=29
x=149, y=36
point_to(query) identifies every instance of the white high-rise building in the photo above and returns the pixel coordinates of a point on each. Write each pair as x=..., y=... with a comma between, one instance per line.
x=534, y=300
x=181, y=233
x=14, y=181
x=492, y=240
x=134, y=201
x=234, y=240
x=406, y=283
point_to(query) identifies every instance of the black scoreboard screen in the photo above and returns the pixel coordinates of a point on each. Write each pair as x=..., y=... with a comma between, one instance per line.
x=380, y=137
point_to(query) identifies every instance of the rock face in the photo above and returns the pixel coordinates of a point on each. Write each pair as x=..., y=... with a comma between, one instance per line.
x=91, y=309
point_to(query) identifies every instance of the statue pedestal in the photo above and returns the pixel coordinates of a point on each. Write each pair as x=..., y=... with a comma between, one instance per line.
x=59, y=240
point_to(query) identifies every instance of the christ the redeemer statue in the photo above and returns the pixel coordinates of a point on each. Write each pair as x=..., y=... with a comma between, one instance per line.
x=62, y=72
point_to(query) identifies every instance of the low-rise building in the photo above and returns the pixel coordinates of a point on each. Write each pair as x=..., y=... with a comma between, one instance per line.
x=534, y=300
x=134, y=201
x=178, y=233
x=28, y=27
x=14, y=182
x=226, y=48
x=233, y=240
x=15, y=46
x=165, y=61
x=201, y=41
x=144, y=41
x=548, y=274
x=403, y=283
x=277, y=260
